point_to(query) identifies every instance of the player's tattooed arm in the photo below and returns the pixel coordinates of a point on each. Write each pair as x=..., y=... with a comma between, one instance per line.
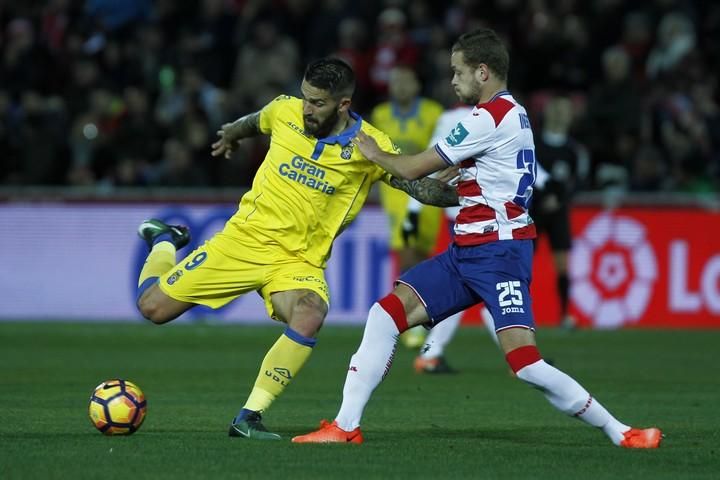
x=429, y=191
x=247, y=126
x=232, y=133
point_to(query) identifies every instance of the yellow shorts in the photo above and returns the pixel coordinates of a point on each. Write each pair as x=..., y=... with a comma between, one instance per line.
x=395, y=203
x=226, y=267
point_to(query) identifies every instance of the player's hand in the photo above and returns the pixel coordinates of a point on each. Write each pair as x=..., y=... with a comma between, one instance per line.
x=450, y=175
x=367, y=146
x=227, y=143
x=410, y=228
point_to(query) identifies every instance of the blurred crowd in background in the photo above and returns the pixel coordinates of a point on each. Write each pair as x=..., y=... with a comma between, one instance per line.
x=113, y=93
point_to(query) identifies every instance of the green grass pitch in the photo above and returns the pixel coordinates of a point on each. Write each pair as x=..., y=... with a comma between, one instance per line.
x=480, y=423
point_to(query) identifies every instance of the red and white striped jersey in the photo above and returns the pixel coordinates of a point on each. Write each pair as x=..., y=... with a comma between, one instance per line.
x=494, y=147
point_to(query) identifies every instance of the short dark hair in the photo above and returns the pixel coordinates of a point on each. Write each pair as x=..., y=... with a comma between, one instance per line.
x=332, y=75
x=484, y=46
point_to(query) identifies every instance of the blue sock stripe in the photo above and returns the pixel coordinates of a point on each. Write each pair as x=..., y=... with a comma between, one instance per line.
x=149, y=282
x=297, y=338
x=243, y=414
x=165, y=237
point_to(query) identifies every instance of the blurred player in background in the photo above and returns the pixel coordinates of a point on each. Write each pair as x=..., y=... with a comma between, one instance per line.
x=568, y=164
x=409, y=120
x=310, y=187
x=490, y=259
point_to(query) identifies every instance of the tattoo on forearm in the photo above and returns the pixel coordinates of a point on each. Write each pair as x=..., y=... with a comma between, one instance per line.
x=428, y=190
x=248, y=126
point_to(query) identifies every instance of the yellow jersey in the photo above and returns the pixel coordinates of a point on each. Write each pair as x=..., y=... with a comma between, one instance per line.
x=307, y=190
x=411, y=131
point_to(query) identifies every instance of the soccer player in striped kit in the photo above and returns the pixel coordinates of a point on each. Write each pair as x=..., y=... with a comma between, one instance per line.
x=490, y=259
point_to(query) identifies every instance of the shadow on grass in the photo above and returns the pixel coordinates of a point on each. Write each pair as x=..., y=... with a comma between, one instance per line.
x=564, y=436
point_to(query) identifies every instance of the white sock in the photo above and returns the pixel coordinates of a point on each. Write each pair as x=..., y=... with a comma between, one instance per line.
x=489, y=324
x=368, y=366
x=571, y=398
x=439, y=336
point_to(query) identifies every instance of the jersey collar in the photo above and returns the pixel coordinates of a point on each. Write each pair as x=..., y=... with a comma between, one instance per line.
x=410, y=114
x=344, y=137
x=498, y=94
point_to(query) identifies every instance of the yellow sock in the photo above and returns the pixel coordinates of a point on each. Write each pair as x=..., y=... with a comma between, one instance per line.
x=281, y=364
x=160, y=259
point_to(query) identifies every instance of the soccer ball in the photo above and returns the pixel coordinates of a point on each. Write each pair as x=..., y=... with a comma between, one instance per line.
x=117, y=407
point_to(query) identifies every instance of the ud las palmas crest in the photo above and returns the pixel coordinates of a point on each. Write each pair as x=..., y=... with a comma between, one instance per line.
x=347, y=151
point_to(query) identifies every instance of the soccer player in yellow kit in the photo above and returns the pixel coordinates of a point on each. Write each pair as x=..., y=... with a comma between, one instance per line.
x=310, y=187
x=409, y=119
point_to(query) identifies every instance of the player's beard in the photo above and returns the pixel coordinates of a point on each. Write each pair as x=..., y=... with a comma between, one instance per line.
x=321, y=129
x=471, y=97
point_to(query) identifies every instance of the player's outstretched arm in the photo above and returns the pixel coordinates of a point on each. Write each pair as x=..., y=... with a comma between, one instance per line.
x=427, y=190
x=231, y=133
x=409, y=167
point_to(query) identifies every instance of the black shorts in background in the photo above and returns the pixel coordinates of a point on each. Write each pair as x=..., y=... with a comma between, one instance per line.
x=557, y=227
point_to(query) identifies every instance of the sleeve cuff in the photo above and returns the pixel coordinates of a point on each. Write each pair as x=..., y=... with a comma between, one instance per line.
x=443, y=156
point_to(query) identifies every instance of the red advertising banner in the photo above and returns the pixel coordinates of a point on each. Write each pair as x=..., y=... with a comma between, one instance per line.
x=635, y=267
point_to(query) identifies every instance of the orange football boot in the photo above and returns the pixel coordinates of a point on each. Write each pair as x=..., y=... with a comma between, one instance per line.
x=432, y=365
x=330, y=433
x=642, y=438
